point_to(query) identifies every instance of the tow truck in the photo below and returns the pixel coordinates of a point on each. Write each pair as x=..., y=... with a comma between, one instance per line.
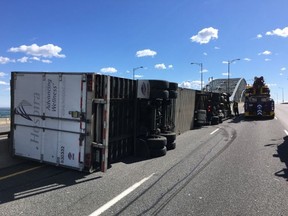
x=258, y=102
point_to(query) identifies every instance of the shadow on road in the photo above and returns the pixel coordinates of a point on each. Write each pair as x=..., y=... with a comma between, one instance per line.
x=39, y=180
x=236, y=119
x=282, y=153
x=241, y=117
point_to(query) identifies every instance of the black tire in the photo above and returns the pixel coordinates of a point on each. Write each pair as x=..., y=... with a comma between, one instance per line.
x=220, y=120
x=170, y=136
x=159, y=84
x=215, y=120
x=171, y=146
x=161, y=94
x=173, y=94
x=156, y=142
x=158, y=152
x=173, y=86
x=141, y=148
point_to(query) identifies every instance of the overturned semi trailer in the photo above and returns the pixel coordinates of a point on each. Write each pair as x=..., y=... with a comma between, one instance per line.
x=87, y=121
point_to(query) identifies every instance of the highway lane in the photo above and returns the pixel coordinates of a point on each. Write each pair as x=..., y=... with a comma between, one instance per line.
x=49, y=190
x=235, y=168
x=247, y=177
x=281, y=111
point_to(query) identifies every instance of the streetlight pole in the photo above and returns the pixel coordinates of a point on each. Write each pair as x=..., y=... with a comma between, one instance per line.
x=201, y=71
x=282, y=94
x=134, y=69
x=228, y=80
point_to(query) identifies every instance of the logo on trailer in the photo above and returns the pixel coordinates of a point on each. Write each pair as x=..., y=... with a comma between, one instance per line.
x=70, y=156
x=143, y=89
x=20, y=109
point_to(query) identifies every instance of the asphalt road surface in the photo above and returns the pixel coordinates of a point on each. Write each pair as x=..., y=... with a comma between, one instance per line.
x=238, y=167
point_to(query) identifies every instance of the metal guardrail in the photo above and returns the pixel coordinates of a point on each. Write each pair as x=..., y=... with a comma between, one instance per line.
x=4, y=133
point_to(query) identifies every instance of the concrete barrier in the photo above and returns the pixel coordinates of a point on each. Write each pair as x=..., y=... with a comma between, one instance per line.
x=4, y=121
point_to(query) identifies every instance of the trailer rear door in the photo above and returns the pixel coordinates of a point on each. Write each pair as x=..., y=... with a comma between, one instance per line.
x=48, y=122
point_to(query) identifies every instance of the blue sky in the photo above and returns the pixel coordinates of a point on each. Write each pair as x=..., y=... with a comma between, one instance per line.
x=164, y=36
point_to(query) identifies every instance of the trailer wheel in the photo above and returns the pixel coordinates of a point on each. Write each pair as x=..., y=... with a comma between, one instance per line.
x=215, y=120
x=156, y=142
x=220, y=119
x=173, y=94
x=170, y=136
x=171, y=146
x=159, y=84
x=161, y=94
x=141, y=148
x=173, y=86
x=158, y=152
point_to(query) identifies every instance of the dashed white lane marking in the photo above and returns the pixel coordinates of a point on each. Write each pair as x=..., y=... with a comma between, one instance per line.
x=214, y=131
x=286, y=132
x=119, y=197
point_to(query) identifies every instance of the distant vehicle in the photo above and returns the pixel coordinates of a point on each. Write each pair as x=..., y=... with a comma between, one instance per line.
x=258, y=102
x=211, y=108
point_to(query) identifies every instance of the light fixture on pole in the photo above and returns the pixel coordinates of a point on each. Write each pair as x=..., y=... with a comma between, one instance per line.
x=201, y=71
x=229, y=62
x=134, y=69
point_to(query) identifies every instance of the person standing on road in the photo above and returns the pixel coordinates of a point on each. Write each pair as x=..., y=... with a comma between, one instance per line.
x=235, y=108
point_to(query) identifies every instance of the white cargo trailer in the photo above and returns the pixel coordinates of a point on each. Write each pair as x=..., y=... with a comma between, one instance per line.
x=57, y=119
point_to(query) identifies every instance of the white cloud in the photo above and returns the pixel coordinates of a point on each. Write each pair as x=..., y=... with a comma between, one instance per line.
x=279, y=32
x=3, y=83
x=259, y=36
x=108, y=70
x=216, y=48
x=205, y=35
x=2, y=74
x=283, y=69
x=145, y=52
x=160, y=66
x=5, y=60
x=266, y=52
x=170, y=66
x=138, y=76
x=191, y=84
x=35, y=58
x=47, y=61
x=23, y=59
x=247, y=59
x=225, y=74
x=267, y=59
x=205, y=54
x=46, y=51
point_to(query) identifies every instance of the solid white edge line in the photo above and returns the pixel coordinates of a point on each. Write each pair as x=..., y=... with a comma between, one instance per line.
x=214, y=131
x=286, y=132
x=119, y=197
